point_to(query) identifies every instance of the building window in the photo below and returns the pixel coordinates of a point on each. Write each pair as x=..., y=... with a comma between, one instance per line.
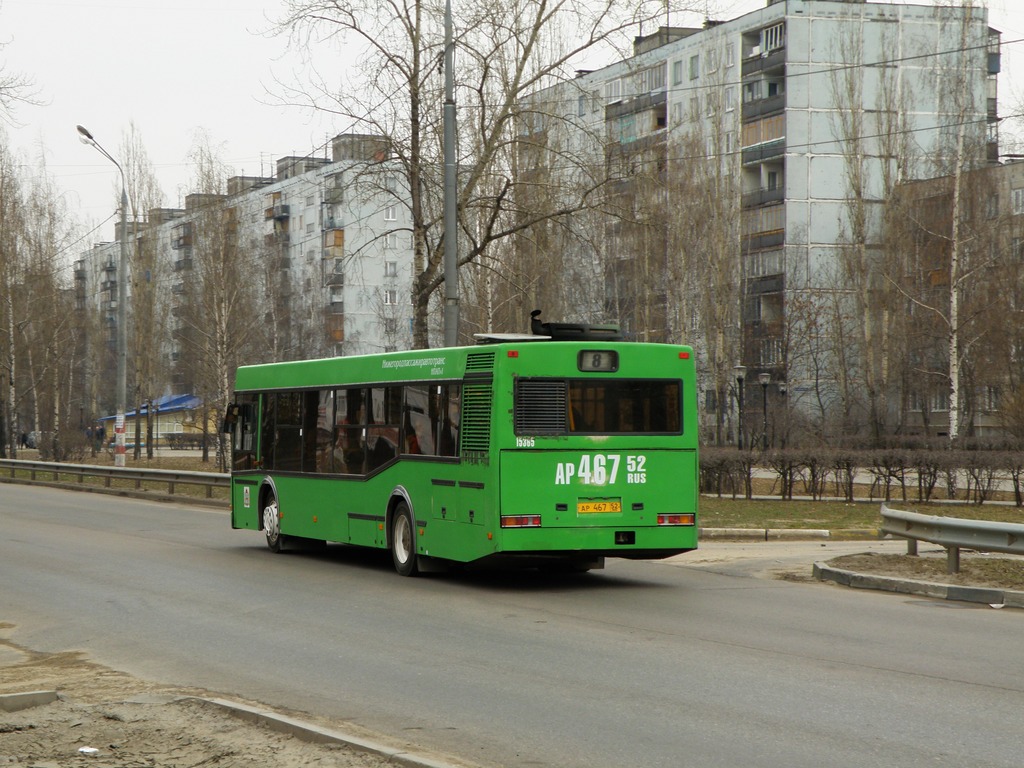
x=337, y=297
x=652, y=79
x=773, y=37
x=694, y=67
x=581, y=106
x=1018, y=201
x=391, y=241
x=771, y=352
x=391, y=213
x=730, y=55
x=677, y=72
x=989, y=397
x=730, y=99
x=390, y=269
x=391, y=297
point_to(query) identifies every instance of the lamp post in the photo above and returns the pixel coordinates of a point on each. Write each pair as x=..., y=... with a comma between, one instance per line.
x=765, y=378
x=122, y=305
x=740, y=372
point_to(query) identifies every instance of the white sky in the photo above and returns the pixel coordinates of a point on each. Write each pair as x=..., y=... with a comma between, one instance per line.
x=173, y=66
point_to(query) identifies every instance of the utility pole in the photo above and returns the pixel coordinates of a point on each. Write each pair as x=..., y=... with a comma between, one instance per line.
x=451, y=254
x=122, y=306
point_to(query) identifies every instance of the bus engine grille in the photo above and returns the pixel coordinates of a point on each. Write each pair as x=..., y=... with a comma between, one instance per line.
x=540, y=407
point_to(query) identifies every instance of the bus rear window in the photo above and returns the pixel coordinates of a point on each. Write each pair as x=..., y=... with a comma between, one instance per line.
x=598, y=406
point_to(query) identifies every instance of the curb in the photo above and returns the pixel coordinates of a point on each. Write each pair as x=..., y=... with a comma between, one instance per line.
x=995, y=597
x=319, y=735
x=13, y=702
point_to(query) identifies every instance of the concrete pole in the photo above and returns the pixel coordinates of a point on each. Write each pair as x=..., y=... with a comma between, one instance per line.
x=122, y=306
x=451, y=265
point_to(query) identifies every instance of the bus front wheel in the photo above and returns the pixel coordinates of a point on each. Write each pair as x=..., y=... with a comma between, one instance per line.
x=403, y=541
x=272, y=525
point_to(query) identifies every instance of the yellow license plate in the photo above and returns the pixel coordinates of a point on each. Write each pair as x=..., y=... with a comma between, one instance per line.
x=587, y=507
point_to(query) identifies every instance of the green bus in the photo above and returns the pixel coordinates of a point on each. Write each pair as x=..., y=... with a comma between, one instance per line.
x=554, y=453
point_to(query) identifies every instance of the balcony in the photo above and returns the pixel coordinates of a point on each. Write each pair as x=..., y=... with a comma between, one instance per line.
x=764, y=62
x=769, y=150
x=334, y=195
x=761, y=240
x=763, y=196
x=759, y=107
x=277, y=240
x=277, y=212
x=767, y=284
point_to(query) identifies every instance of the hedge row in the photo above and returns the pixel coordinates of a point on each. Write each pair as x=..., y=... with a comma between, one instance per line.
x=921, y=475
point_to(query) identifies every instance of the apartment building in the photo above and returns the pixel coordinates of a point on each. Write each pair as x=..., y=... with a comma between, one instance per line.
x=325, y=244
x=787, y=129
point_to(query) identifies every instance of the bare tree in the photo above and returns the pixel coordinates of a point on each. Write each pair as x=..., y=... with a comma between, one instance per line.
x=148, y=311
x=505, y=52
x=220, y=314
x=10, y=238
x=16, y=89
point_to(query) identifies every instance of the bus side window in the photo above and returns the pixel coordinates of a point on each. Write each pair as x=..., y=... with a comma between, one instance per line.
x=309, y=431
x=349, y=446
x=288, y=432
x=417, y=437
x=268, y=421
x=243, y=430
x=382, y=433
x=325, y=432
x=448, y=415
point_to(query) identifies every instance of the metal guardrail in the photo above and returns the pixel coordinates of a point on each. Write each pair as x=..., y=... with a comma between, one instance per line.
x=953, y=533
x=53, y=474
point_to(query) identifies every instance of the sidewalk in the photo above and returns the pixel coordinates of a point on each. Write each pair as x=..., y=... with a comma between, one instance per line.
x=809, y=558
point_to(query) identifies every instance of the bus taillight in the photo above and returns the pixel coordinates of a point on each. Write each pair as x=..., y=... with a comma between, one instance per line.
x=520, y=521
x=683, y=519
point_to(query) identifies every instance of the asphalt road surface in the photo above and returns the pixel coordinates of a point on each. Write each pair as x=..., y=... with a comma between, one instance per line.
x=642, y=664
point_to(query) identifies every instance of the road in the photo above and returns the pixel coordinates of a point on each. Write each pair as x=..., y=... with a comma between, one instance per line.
x=643, y=664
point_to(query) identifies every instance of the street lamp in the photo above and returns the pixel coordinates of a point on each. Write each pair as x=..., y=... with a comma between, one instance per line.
x=122, y=305
x=741, y=372
x=765, y=378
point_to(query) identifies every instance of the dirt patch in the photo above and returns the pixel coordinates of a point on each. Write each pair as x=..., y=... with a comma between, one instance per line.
x=107, y=719
x=976, y=570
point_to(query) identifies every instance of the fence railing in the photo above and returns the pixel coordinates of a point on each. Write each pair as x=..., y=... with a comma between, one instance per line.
x=953, y=533
x=123, y=480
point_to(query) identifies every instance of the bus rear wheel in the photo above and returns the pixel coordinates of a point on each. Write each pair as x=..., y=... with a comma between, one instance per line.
x=403, y=541
x=272, y=525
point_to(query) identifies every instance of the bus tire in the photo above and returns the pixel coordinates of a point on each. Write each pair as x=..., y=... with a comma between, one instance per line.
x=403, y=540
x=272, y=524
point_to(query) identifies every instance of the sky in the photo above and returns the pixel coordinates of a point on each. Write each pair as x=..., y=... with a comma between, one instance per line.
x=173, y=67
